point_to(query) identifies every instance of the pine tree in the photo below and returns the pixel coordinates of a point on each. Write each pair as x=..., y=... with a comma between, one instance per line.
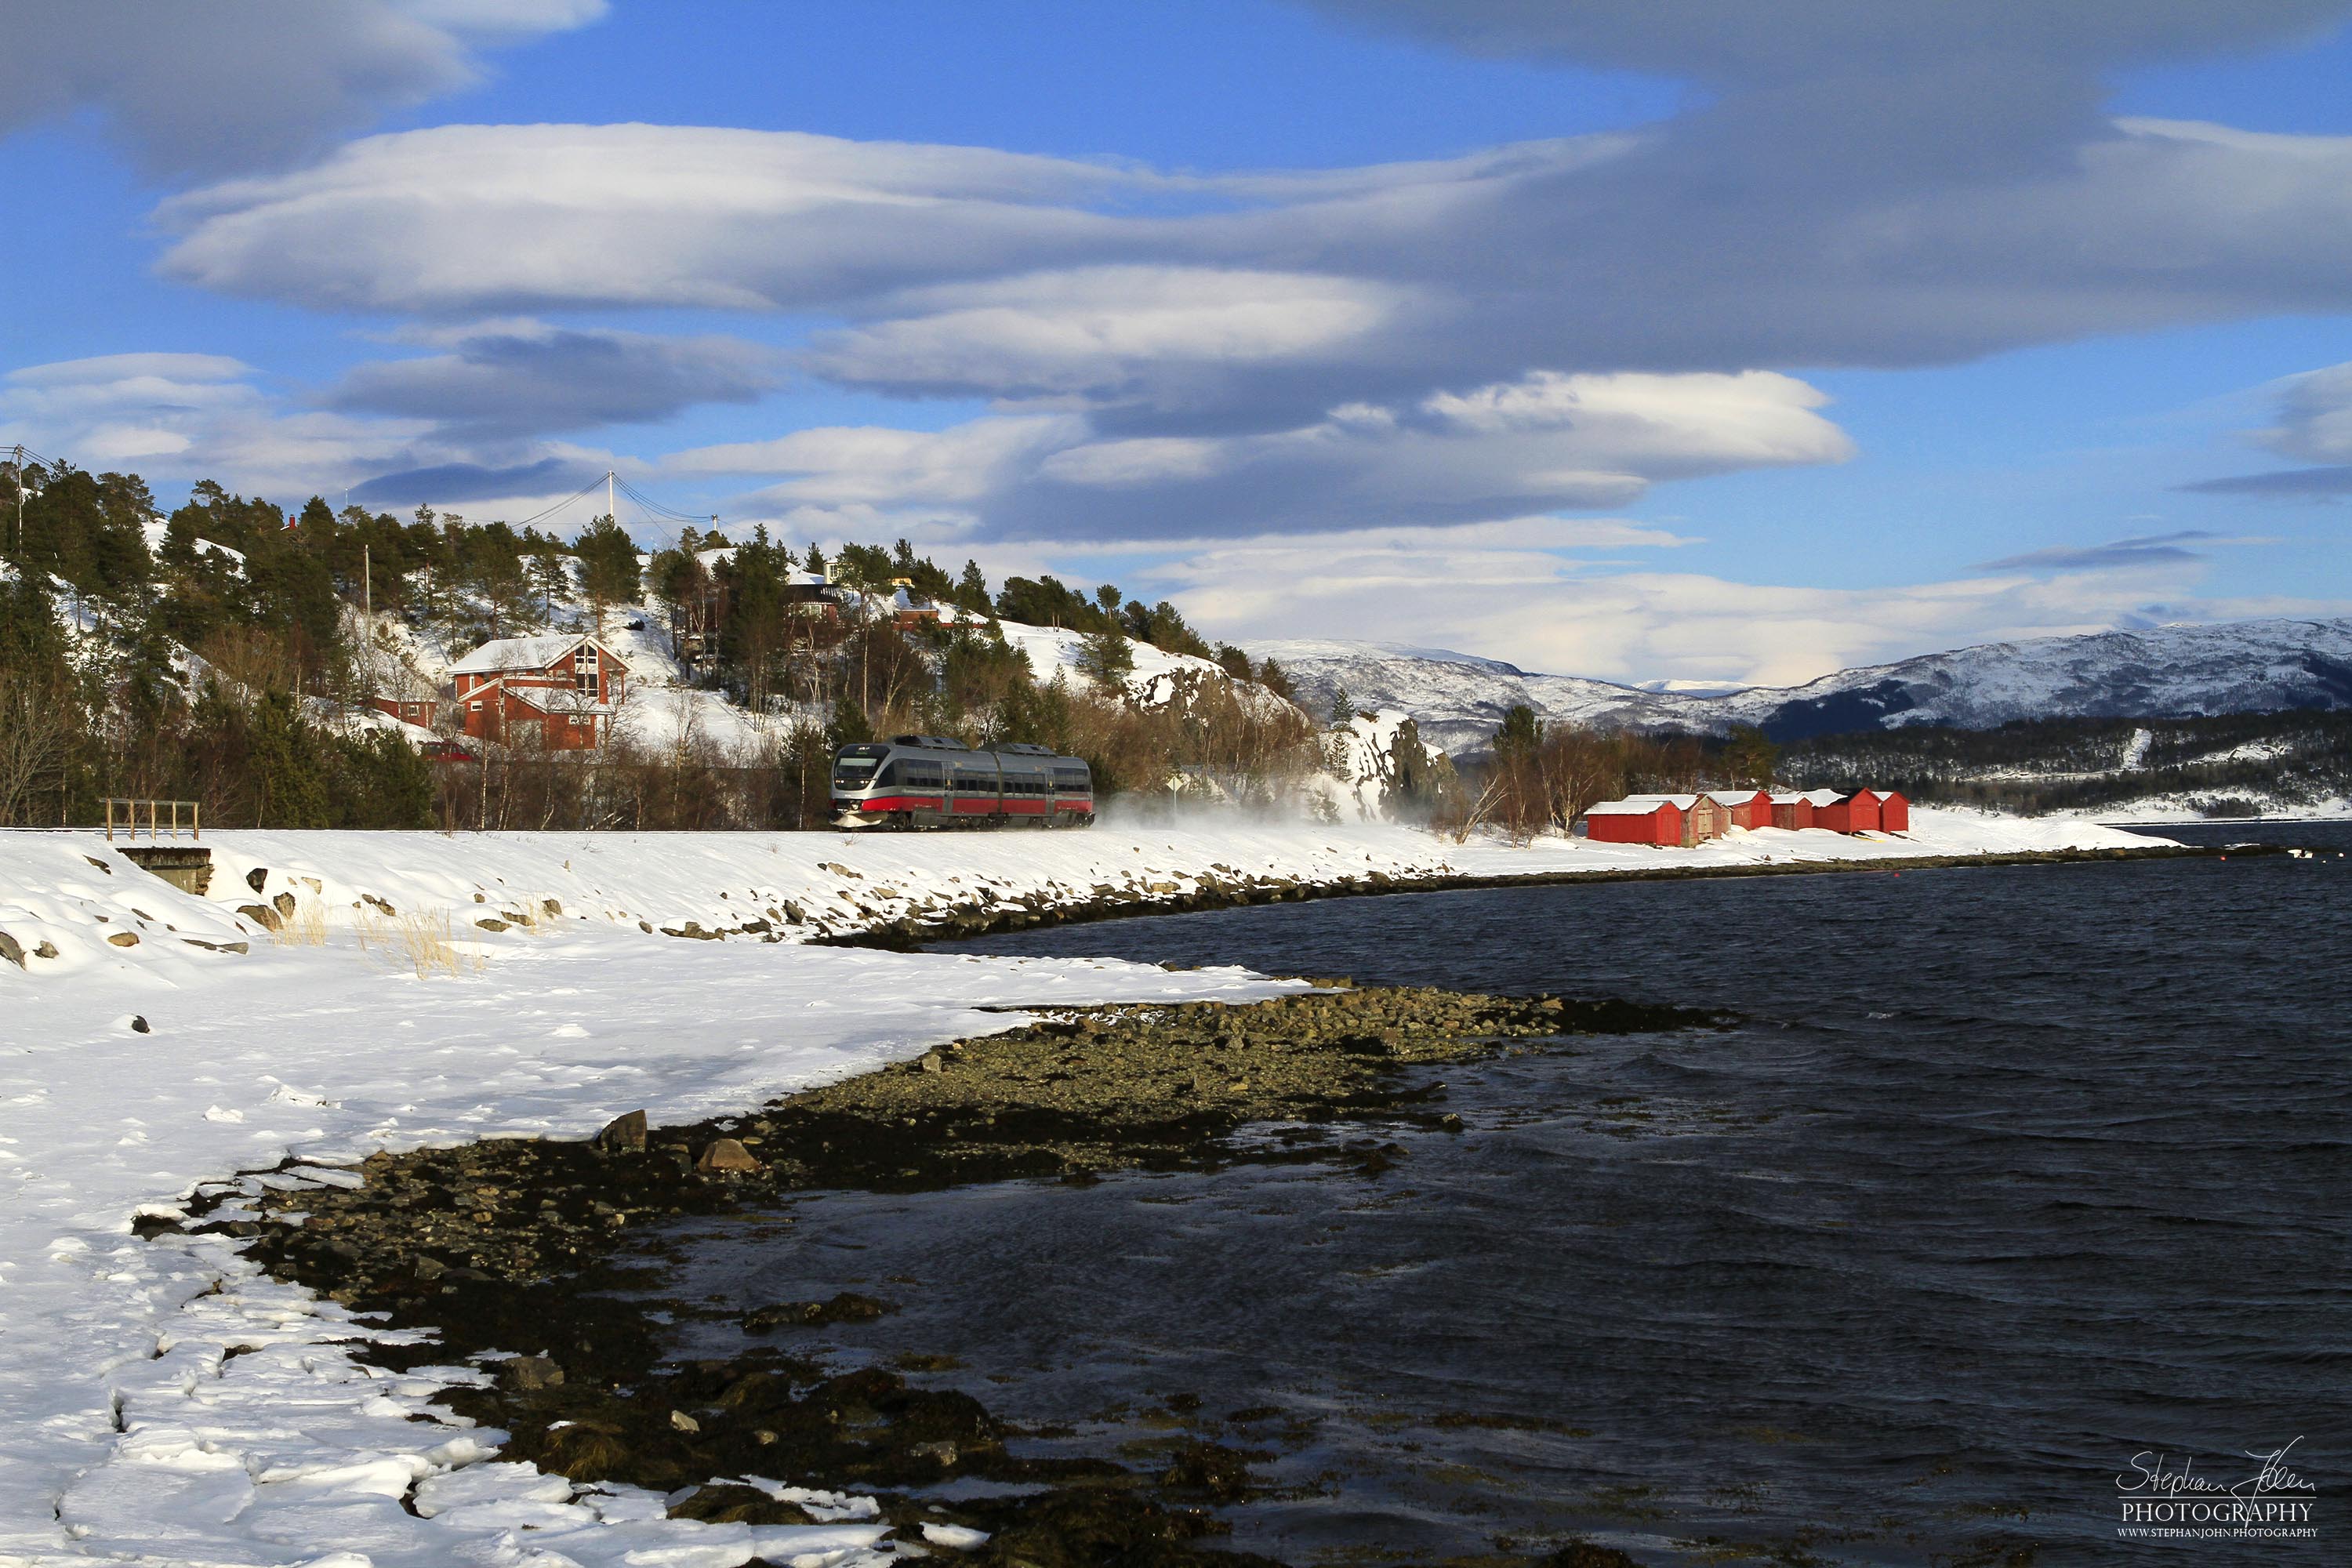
x=1105, y=659
x=289, y=775
x=608, y=566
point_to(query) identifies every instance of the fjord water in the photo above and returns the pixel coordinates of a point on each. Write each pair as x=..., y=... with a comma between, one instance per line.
x=2012, y=1174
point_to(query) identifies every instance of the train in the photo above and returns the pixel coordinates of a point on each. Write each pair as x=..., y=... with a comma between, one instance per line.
x=932, y=781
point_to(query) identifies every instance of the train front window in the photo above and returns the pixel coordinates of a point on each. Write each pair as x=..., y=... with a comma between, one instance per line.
x=853, y=773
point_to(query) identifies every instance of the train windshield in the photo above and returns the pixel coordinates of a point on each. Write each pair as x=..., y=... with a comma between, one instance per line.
x=854, y=768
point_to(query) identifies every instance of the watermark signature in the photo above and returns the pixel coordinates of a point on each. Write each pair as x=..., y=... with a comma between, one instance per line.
x=2161, y=1495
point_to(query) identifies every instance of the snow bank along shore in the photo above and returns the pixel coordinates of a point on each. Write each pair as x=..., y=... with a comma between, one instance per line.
x=165, y=1402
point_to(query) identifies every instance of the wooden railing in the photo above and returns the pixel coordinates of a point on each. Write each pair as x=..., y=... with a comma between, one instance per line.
x=155, y=819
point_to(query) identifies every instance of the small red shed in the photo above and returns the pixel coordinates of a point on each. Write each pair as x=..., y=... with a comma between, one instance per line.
x=1855, y=813
x=1643, y=819
x=1792, y=811
x=1748, y=807
x=1894, y=813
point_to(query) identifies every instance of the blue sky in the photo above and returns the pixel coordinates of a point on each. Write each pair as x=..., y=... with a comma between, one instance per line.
x=1629, y=339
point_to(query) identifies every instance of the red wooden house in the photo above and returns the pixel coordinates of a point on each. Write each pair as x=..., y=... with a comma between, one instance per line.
x=419, y=710
x=909, y=610
x=1646, y=819
x=1792, y=811
x=559, y=692
x=1748, y=807
x=1855, y=813
x=1682, y=820
x=1894, y=813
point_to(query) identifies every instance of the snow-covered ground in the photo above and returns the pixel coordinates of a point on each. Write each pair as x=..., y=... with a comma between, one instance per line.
x=162, y=1402
x=2157, y=810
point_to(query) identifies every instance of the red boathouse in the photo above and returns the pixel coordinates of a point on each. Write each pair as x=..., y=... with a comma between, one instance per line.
x=1856, y=813
x=1792, y=811
x=1647, y=819
x=1748, y=807
x=1682, y=820
x=1894, y=813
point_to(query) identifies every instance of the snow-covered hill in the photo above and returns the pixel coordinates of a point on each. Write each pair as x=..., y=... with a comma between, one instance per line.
x=2237, y=667
x=1457, y=697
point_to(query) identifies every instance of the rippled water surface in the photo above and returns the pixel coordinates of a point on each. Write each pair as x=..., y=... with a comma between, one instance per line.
x=2014, y=1174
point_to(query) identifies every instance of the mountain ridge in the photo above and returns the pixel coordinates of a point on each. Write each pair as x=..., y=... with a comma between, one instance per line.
x=2176, y=670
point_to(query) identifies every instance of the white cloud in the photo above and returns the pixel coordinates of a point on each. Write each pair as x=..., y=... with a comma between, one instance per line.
x=204, y=89
x=525, y=377
x=2315, y=417
x=1099, y=329
x=182, y=417
x=1567, y=442
x=866, y=465
x=464, y=218
x=1546, y=612
x=177, y=417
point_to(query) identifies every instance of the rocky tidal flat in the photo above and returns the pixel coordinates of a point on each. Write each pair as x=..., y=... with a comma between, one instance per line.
x=526, y=1259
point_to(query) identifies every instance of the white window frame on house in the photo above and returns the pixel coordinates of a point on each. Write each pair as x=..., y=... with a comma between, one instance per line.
x=585, y=671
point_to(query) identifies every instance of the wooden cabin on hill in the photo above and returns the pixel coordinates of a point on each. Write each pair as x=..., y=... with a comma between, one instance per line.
x=558, y=691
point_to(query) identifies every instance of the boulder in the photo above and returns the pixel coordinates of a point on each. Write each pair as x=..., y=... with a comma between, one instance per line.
x=624, y=1135
x=531, y=1373
x=725, y=1154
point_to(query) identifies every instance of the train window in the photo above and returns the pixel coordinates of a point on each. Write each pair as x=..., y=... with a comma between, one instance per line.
x=853, y=773
x=921, y=774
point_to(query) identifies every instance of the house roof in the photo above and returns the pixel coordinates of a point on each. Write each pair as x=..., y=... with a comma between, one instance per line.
x=1733, y=796
x=1624, y=808
x=1821, y=797
x=504, y=654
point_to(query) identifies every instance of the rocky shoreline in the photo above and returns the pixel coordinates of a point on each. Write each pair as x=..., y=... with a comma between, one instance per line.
x=1218, y=890
x=524, y=1258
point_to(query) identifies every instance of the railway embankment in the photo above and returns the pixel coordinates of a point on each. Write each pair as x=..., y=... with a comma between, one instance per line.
x=72, y=902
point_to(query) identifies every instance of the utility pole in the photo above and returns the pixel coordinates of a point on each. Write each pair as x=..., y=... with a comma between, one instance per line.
x=610, y=510
x=367, y=581
x=19, y=459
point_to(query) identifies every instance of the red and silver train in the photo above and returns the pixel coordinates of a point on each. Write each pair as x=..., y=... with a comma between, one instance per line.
x=930, y=781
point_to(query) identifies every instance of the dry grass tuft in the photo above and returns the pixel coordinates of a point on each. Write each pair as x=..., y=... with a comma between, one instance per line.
x=422, y=939
x=306, y=927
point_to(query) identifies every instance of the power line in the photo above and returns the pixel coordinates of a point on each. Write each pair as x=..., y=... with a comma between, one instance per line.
x=559, y=506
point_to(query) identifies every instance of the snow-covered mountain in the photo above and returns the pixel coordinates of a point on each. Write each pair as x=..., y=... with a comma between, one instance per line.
x=2236, y=666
